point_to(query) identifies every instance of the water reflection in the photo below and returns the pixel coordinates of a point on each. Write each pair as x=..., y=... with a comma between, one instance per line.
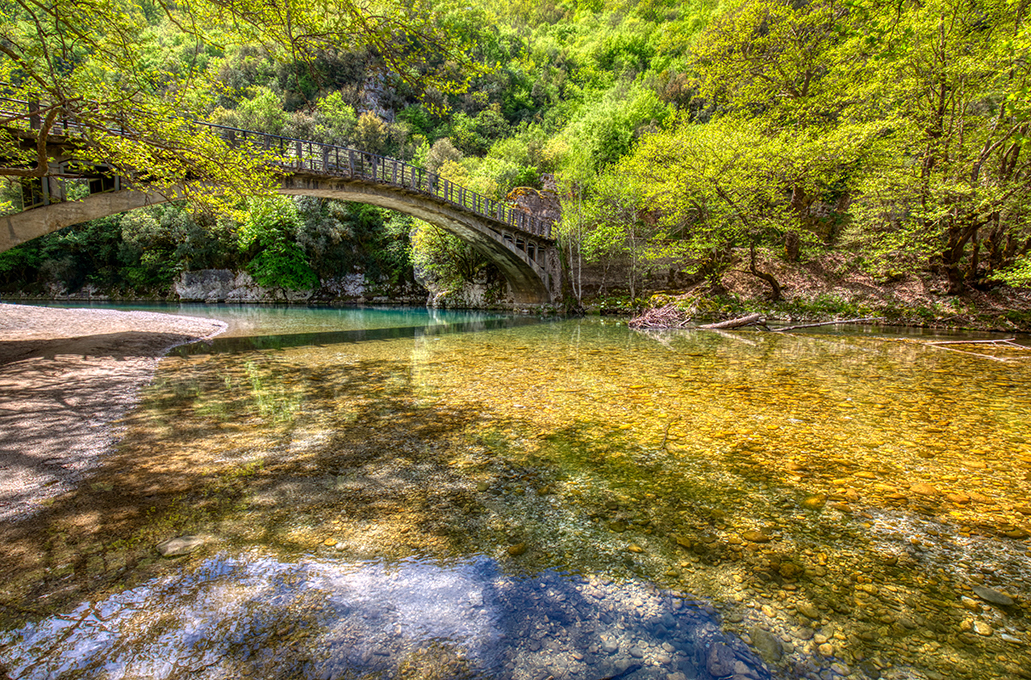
x=279, y=340
x=251, y=614
x=266, y=320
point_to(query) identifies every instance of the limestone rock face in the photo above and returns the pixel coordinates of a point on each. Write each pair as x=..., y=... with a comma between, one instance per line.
x=355, y=288
x=224, y=285
x=543, y=204
x=486, y=292
x=471, y=296
x=203, y=285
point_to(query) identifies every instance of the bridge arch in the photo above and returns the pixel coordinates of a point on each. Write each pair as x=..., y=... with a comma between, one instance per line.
x=528, y=262
x=519, y=243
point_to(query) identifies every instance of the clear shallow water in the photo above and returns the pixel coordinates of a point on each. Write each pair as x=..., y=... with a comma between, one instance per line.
x=254, y=321
x=836, y=498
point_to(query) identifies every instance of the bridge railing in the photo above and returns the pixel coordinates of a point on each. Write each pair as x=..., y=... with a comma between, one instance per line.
x=338, y=161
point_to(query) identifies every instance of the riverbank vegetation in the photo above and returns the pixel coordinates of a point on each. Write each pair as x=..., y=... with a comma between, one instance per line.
x=689, y=145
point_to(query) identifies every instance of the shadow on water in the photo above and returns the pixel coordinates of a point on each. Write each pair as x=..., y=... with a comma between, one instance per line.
x=283, y=341
x=415, y=618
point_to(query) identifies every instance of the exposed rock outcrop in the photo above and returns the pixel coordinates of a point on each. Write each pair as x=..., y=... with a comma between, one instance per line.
x=224, y=285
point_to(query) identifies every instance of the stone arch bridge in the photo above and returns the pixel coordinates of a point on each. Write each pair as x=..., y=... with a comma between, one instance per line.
x=518, y=242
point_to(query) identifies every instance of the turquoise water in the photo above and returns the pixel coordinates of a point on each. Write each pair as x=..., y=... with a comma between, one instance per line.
x=584, y=501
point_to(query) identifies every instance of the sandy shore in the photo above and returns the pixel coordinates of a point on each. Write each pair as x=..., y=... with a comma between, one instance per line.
x=66, y=377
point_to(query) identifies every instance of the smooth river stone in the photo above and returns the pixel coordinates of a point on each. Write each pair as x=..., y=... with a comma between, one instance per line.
x=808, y=610
x=814, y=502
x=993, y=596
x=755, y=537
x=182, y=545
x=767, y=644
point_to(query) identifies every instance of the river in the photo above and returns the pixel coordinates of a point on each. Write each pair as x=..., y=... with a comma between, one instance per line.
x=388, y=493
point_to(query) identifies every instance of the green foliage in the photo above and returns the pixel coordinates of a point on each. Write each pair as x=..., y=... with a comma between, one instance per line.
x=269, y=235
x=345, y=238
x=446, y=259
x=678, y=133
x=781, y=60
x=605, y=131
x=103, y=64
x=371, y=133
x=335, y=120
x=262, y=111
x=283, y=265
x=956, y=77
x=19, y=263
x=442, y=151
x=1019, y=274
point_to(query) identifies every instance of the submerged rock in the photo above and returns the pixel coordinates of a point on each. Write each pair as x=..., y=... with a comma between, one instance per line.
x=721, y=660
x=993, y=596
x=814, y=502
x=767, y=644
x=807, y=610
x=755, y=537
x=183, y=545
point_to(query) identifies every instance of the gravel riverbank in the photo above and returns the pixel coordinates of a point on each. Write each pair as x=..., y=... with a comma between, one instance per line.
x=66, y=377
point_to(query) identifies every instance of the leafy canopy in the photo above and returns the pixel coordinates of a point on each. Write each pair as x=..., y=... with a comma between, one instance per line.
x=146, y=68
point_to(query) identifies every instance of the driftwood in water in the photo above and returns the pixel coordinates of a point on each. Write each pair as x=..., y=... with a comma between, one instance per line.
x=827, y=323
x=667, y=316
x=1002, y=341
x=1007, y=343
x=750, y=320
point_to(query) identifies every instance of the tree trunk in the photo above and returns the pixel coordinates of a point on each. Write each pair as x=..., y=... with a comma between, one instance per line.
x=735, y=323
x=792, y=245
x=957, y=284
x=775, y=292
x=975, y=258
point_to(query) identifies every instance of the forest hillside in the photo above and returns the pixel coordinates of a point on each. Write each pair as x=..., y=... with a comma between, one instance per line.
x=804, y=158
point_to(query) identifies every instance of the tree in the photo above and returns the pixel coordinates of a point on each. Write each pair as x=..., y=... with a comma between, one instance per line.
x=952, y=177
x=794, y=69
x=335, y=120
x=99, y=65
x=445, y=258
x=781, y=60
x=713, y=188
x=600, y=211
x=370, y=134
x=270, y=235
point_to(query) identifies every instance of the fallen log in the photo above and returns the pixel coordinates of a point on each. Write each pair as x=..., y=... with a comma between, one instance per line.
x=827, y=323
x=741, y=322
